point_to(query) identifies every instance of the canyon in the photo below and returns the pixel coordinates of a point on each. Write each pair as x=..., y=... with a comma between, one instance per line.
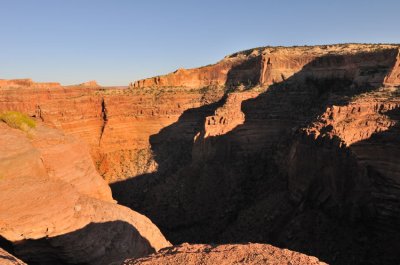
x=297, y=147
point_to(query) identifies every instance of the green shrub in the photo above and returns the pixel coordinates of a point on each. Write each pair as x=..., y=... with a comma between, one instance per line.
x=18, y=120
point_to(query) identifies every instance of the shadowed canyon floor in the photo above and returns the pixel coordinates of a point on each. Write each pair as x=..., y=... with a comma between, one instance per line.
x=294, y=147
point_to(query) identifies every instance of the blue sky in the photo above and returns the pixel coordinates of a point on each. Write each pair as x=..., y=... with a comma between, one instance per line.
x=118, y=41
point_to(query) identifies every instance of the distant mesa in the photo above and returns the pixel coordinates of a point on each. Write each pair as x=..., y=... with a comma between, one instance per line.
x=29, y=83
x=15, y=83
x=92, y=83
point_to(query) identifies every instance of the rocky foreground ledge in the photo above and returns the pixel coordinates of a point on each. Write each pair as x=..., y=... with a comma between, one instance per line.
x=249, y=254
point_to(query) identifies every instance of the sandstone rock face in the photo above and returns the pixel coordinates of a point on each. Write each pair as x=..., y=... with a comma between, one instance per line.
x=231, y=70
x=124, y=146
x=226, y=255
x=8, y=259
x=394, y=77
x=56, y=209
x=362, y=136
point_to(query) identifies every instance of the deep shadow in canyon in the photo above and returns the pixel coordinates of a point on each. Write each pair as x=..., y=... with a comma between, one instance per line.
x=266, y=181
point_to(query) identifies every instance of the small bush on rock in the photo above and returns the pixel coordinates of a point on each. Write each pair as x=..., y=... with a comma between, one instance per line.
x=18, y=120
